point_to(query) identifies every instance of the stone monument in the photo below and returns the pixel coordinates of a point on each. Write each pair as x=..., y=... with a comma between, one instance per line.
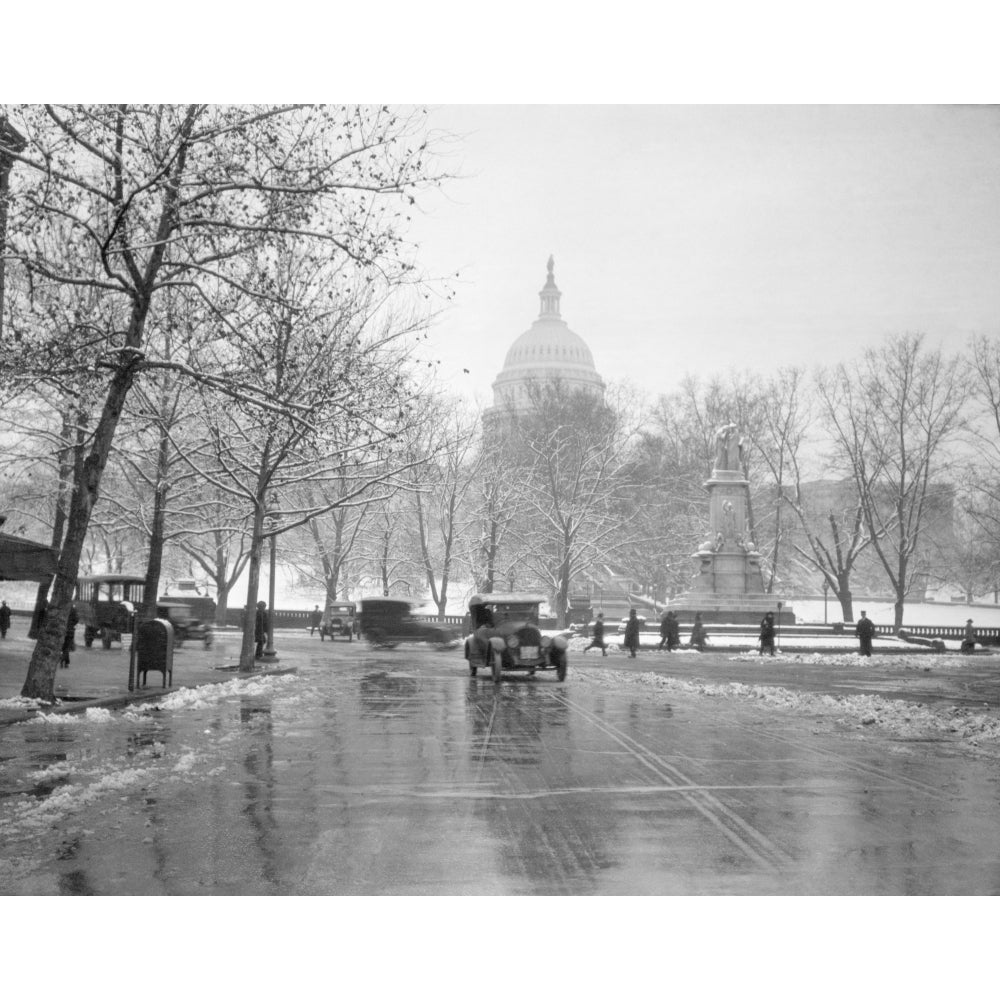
x=728, y=585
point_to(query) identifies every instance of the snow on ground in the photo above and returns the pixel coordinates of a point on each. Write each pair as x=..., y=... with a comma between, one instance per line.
x=92, y=777
x=896, y=718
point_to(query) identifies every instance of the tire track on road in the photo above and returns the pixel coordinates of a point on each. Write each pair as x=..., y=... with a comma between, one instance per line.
x=751, y=841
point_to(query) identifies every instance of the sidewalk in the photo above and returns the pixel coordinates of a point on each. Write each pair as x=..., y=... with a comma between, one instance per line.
x=98, y=677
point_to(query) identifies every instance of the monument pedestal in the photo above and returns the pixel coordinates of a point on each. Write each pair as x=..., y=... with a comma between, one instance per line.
x=728, y=585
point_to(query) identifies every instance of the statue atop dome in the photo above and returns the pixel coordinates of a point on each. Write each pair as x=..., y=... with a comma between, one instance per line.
x=551, y=265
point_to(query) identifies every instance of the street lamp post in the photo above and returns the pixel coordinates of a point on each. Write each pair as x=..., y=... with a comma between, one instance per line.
x=826, y=590
x=779, y=626
x=510, y=582
x=269, y=652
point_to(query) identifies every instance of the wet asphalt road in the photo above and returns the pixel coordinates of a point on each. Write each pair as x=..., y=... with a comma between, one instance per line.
x=394, y=772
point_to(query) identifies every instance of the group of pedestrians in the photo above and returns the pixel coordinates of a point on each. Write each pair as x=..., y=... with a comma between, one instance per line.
x=670, y=635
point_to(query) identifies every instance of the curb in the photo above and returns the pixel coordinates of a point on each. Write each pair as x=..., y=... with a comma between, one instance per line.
x=121, y=700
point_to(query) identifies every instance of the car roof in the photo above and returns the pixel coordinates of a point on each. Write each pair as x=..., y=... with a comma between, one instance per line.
x=511, y=598
x=111, y=578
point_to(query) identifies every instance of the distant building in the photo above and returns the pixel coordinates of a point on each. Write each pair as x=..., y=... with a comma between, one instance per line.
x=547, y=352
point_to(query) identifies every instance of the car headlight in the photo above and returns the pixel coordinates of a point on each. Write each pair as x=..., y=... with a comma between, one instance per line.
x=546, y=641
x=513, y=642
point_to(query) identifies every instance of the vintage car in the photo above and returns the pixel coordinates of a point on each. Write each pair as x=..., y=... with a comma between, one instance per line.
x=505, y=637
x=339, y=620
x=387, y=621
x=107, y=605
x=184, y=624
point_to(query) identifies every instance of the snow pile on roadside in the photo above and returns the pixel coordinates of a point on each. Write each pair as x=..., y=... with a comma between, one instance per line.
x=212, y=694
x=898, y=718
x=21, y=704
x=921, y=661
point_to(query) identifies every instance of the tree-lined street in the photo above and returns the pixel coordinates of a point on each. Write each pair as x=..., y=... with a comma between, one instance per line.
x=394, y=772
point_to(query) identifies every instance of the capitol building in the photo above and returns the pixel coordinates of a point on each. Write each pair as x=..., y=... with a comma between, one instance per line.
x=549, y=351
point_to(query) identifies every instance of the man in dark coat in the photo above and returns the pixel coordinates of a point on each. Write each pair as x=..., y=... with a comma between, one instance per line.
x=767, y=634
x=673, y=632
x=315, y=621
x=664, y=629
x=632, y=633
x=260, y=628
x=69, y=640
x=865, y=630
x=698, y=633
x=4, y=620
x=969, y=638
x=597, y=635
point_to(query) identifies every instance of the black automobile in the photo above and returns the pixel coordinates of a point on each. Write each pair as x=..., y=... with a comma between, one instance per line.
x=106, y=605
x=506, y=637
x=387, y=621
x=339, y=620
x=186, y=627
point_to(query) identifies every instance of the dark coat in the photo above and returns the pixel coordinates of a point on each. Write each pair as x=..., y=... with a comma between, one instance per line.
x=69, y=640
x=598, y=630
x=865, y=629
x=665, y=626
x=632, y=633
x=767, y=632
x=4, y=617
x=260, y=625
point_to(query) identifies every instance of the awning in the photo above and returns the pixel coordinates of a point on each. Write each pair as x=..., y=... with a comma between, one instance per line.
x=24, y=560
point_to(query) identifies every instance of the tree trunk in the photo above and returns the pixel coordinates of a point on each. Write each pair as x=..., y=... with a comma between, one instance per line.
x=40, y=680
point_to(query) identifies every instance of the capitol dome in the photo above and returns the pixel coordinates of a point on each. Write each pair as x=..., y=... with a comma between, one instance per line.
x=548, y=351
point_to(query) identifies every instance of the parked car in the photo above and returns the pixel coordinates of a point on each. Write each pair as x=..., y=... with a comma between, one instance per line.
x=106, y=605
x=506, y=637
x=387, y=621
x=185, y=625
x=339, y=620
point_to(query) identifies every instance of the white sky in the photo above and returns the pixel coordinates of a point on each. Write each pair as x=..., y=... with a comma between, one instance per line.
x=697, y=238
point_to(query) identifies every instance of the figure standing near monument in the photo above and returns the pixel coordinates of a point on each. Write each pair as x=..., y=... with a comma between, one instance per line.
x=865, y=630
x=766, y=635
x=698, y=633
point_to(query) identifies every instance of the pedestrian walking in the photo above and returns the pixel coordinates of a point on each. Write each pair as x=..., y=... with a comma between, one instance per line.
x=597, y=635
x=4, y=619
x=69, y=639
x=698, y=633
x=632, y=633
x=314, y=620
x=766, y=634
x=673, y=632
x=260, y=628
x=865, y=630
x=664, y=629
x=969, y=639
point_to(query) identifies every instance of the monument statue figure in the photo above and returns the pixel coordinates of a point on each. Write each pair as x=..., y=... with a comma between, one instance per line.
x=729, y=447
x=728, y=585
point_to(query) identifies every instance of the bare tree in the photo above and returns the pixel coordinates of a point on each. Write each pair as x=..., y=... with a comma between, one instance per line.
x=575, y=451
x=892, y=416
x=150, y=197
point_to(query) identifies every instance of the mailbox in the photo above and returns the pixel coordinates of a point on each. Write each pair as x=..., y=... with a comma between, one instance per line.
x=154, y=650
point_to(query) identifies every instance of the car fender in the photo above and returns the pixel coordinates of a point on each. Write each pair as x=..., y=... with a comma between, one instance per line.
x=498, y=645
